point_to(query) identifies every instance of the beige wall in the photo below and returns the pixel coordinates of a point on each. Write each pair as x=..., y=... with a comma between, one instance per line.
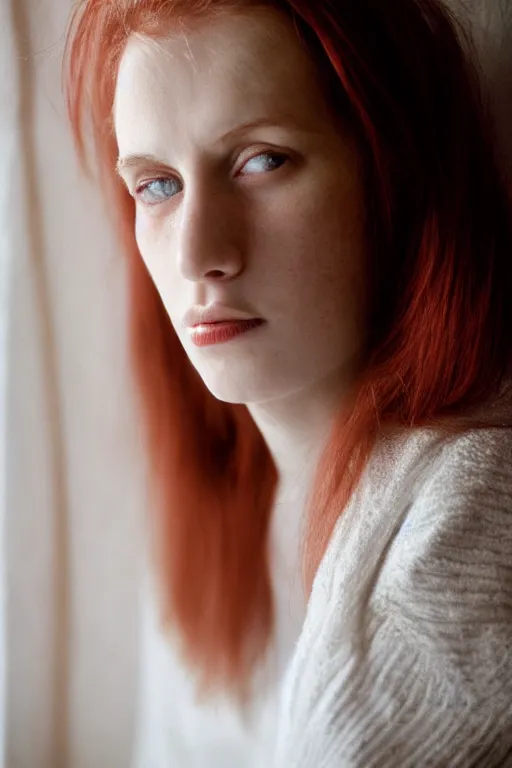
x=491, y=22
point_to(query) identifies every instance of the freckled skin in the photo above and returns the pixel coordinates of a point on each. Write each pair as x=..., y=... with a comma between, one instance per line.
x=280, y=236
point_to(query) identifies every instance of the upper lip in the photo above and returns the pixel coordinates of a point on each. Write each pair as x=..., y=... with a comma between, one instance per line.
x=213, y=313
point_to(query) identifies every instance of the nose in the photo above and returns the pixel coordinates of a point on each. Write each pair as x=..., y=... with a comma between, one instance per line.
x=209, y=246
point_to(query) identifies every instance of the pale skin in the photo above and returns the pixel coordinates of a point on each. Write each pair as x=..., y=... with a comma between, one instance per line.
x=279, y=236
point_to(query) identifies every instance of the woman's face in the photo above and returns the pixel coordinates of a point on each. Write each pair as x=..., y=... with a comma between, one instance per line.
x=248, y=196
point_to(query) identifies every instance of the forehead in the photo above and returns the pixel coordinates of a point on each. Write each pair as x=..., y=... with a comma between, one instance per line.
x=226, y=70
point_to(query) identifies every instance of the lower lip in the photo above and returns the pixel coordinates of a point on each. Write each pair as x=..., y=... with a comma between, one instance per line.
x=217, y=333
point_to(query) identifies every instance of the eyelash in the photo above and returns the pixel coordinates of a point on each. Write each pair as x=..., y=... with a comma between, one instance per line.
x=141, y=188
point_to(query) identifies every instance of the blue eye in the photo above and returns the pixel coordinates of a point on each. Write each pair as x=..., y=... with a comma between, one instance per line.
x=155, y=191
x=273, y=160
x=160, y=190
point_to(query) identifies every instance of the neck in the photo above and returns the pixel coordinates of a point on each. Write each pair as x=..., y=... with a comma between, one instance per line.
x=296, y=429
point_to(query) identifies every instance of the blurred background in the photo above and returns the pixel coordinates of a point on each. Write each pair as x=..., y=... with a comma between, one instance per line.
x=72, y=490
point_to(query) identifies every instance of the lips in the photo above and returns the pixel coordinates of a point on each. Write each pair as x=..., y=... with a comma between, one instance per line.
x=217, y=323
x=206, y=334
x=215, y=313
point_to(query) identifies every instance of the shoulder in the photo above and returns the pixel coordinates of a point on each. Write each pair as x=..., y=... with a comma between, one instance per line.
x=475, y=465
x=422, y=494
x=456, y=538
x=467, y=483
x=446, y=581
x=406, y=654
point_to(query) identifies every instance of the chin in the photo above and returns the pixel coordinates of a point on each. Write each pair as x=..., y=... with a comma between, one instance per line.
x=244, y=379
x=240, y=387
x=238, y=394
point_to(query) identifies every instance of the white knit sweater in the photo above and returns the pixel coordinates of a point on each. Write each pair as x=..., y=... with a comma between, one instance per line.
x=404, y=659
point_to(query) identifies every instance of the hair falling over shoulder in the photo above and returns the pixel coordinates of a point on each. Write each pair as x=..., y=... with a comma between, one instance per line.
x=439, y=342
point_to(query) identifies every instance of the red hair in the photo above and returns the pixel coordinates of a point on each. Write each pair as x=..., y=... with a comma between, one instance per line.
x=439, y=341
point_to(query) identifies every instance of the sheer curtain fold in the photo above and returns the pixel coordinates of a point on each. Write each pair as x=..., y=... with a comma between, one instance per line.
x=9, y=205
x=71, y=493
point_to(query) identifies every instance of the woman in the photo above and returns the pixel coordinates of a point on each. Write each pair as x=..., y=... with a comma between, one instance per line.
x=319, y=251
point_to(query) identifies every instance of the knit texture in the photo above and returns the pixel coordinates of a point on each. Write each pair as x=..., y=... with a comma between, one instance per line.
x=405, y=657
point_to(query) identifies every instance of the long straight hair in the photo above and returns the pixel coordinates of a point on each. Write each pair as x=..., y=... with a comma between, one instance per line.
x=439, y=342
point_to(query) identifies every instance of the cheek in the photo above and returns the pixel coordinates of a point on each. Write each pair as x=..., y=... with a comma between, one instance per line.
x=152, y=248
x=156, y=249
x=331, y=247
x=332, y=256
x=145, y=230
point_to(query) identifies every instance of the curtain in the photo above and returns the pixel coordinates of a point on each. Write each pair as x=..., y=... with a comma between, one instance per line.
x=8, y=107
x=71, y=482
x=72, y=491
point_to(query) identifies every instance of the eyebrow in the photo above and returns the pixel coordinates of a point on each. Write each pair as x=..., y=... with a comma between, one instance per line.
x=129, y=161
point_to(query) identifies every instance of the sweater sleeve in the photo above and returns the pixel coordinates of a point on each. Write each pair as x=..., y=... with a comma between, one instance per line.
x=422, y=676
